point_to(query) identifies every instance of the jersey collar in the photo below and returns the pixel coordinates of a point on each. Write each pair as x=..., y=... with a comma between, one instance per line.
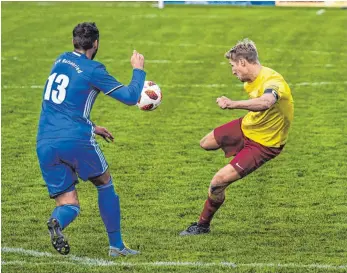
x=81, y=55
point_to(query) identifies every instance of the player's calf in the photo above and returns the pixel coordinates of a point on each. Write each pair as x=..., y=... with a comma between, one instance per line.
x=109, y=208
x=223, y=178
x=63, y=215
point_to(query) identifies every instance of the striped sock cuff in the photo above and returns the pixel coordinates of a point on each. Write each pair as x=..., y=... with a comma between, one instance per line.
x=74, y=207
x=109, y=184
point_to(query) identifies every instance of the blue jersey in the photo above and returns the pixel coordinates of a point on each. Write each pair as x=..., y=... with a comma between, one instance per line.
x=70, y=92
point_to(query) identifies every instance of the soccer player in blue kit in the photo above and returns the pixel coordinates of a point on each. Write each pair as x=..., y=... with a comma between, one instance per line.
x=66, y=146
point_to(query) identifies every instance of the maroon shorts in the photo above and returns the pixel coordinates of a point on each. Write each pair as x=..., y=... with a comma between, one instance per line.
x=249, y=155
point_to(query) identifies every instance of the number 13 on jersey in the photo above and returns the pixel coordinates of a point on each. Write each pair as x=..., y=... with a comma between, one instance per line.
x=59, y=95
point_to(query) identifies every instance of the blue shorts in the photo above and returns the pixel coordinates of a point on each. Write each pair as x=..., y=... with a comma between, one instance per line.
x=62, y=161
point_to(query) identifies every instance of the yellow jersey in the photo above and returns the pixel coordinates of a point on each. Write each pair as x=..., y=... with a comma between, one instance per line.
x=270, y=127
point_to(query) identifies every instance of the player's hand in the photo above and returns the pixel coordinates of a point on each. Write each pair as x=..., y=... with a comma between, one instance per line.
x=101, y=131
x=224, y=102
x=137, y=60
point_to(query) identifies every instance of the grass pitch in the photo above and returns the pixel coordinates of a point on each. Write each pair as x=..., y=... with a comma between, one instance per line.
x=290, y=212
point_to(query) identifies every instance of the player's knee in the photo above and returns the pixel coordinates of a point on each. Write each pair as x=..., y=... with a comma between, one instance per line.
x=102, y=179
x=219, y=179
x=218, y=185
x=67, y=198
x=217, y=194
x=225, y=178
x=209, y=143
x=62, y=202
x=203, y=144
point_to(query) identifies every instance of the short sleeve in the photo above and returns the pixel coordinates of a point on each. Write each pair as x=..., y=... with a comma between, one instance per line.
x=276, y=87
x=103, y=81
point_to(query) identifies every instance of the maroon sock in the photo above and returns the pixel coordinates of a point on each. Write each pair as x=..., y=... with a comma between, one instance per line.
x=209, y=210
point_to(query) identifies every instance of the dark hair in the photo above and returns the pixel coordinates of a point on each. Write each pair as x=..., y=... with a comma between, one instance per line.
x=243, y=49
x=84, y=35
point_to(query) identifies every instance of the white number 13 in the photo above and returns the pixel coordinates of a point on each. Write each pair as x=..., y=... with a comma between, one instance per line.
x=59, y=95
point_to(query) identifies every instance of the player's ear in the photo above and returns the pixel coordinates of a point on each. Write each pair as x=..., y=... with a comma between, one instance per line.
x=243, y=62
x=96, y=44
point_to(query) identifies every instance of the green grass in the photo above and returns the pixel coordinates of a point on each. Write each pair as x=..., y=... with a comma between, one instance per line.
x=291, y=211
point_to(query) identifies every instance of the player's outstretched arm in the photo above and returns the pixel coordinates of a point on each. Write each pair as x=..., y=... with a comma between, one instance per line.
x=129, y=94
x=259, y=104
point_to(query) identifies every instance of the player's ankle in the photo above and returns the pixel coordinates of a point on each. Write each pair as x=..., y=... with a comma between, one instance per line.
x=119, y=246
x=204, y=224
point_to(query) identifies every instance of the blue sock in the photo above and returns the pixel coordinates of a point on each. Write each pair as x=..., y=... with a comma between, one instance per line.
x=110, y=213
x=65, y=214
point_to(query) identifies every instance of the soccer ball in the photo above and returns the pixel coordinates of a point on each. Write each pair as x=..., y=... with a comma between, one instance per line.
x=150, y=96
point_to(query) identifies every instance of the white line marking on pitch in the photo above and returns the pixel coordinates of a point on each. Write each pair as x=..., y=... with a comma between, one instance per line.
x=101, y=262
x=17, y=262
x=318, y=83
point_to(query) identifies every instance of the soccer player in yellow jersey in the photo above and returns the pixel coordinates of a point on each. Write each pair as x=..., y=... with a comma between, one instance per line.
x=253, y=139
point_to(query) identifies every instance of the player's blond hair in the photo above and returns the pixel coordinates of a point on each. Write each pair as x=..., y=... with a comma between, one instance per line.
x=245, y=49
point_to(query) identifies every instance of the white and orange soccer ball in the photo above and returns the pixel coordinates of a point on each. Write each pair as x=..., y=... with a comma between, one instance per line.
x=151, y=96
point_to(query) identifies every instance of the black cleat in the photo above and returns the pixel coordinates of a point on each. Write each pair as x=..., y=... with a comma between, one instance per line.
x=58, y=240
x=195, y=229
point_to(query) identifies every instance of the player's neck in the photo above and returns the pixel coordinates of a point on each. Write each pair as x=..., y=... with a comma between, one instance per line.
x=80, y=51
x=88, y=53
x=254, y=73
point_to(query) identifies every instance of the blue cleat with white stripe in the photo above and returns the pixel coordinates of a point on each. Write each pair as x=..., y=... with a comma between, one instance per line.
x=116, y=252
